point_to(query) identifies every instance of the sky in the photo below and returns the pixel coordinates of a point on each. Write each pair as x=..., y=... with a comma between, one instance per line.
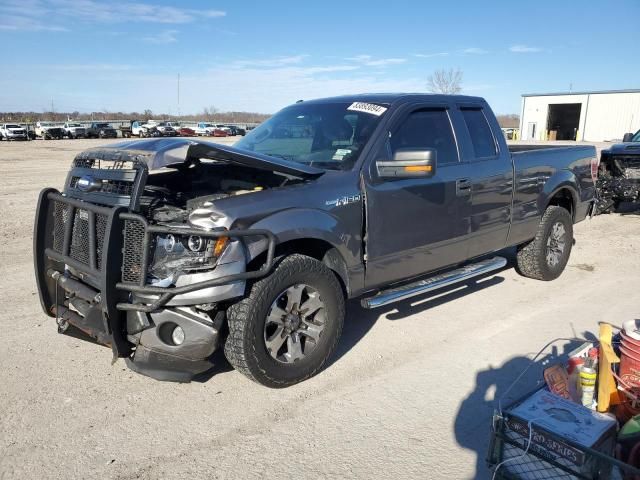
x=259, y=56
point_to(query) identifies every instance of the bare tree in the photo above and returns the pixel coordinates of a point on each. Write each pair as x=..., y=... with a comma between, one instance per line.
x=448, y=82
x=209, y=113
x=147, y=114
x=509, y=120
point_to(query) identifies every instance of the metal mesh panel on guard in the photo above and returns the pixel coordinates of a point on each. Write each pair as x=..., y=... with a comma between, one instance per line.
x=79, y=248
x=101, y=228
x=133, y=251
x=60, y=216
x=80, y=237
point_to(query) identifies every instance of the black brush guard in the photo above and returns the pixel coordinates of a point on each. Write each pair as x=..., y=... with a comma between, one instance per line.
x=102, y=267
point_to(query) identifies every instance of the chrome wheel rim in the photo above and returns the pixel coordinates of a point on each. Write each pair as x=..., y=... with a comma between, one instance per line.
x=295, y=324
x=556, y=243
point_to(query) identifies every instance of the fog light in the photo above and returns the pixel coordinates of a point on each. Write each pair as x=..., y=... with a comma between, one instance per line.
x=177, y=336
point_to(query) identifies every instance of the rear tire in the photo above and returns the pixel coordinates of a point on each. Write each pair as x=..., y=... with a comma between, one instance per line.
x=277, y=348
x=546, y=256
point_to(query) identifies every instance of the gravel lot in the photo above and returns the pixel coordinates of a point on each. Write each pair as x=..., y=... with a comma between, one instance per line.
x=409, y=395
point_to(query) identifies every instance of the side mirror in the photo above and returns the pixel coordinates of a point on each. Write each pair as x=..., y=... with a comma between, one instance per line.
x=628, y=137
x=408, y=163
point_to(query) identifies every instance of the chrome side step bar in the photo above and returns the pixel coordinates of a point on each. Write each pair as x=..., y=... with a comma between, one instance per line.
x=433, y=283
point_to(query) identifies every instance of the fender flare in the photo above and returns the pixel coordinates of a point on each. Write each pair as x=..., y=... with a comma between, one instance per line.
x=309, y=224
x=560, y=180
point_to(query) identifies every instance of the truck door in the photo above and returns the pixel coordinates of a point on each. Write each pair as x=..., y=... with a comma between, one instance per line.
x=416, y=225
x=491, y=178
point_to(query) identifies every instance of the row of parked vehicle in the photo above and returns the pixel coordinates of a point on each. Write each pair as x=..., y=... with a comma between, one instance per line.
x=153, y=128
x=56, y=131
x=137, y=128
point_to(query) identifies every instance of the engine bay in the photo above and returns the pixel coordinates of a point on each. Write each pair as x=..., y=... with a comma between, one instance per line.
x=171, y=194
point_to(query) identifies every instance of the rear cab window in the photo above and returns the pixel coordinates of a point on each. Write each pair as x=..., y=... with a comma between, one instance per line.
x=480, y=133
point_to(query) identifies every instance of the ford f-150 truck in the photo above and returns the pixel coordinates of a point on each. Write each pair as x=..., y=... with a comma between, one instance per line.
x=167, y=249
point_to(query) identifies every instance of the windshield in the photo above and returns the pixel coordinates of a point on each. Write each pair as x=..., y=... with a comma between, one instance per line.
x=102, y=125
x=636, y=137
x=73, y=125
x=11, y=125
x=325, y=135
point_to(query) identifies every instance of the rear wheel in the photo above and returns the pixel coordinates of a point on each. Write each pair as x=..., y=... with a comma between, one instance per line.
x=287, y=327
x=546, y=256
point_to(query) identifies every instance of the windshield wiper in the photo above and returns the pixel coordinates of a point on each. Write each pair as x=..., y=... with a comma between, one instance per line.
x=284, y=157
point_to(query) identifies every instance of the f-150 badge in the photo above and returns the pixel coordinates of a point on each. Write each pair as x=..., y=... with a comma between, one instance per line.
x=346, y=200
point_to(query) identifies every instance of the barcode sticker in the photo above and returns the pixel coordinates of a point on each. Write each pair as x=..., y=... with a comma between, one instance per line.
x=371, y=108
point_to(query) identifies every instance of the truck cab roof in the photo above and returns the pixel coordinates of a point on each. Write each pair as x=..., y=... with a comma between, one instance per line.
x=393, y=98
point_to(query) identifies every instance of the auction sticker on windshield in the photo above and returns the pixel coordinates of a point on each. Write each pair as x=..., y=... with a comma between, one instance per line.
x=371, y=108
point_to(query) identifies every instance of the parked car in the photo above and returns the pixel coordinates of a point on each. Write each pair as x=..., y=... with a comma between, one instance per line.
x=74, y=130
x=206, y=129
x=224, y=128
x=12, y=131
x=510, y=133
x=385, y=197
x=166, y=129
x=234, y=130
x=49, y=131
x=186, y=132
x=101, y=130
x=619, y=177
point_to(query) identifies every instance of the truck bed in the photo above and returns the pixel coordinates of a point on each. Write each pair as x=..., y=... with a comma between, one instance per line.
x=526, y=148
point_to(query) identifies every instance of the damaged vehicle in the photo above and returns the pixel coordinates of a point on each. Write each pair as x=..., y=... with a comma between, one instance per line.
x=619, y=174
x=49, y=131
x=166, y=250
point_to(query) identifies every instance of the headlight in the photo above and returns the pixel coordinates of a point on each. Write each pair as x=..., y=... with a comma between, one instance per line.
x=176, y=254
x=196, y=243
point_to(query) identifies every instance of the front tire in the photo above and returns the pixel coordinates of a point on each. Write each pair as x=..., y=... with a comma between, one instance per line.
x=288, y=325
x=546, y=256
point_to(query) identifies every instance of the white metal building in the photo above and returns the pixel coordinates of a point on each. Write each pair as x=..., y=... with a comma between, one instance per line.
x=590, y=116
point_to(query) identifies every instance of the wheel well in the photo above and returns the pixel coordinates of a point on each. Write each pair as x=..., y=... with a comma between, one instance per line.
x=563, y=198
x=321, y=250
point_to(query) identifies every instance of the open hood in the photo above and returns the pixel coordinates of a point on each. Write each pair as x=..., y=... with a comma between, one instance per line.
x=166, y=152
x=632, y=148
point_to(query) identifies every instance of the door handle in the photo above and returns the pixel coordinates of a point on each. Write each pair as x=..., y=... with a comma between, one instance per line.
x=463, y=187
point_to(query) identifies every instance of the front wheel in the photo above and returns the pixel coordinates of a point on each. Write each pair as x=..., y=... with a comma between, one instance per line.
x=546, y=256
x=287, y=327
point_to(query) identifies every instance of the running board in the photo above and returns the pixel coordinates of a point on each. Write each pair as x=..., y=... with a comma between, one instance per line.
x=433, y=283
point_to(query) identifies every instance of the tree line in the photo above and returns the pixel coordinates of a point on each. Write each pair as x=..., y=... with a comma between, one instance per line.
x=209, y=114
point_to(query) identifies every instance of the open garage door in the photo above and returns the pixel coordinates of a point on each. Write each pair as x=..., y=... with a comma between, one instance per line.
x=563, y=121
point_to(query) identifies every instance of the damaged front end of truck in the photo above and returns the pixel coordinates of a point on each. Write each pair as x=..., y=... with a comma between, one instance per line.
x=136, y=252
x=619, y=176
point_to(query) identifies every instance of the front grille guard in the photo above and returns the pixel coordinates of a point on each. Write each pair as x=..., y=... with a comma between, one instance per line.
x=104, y=268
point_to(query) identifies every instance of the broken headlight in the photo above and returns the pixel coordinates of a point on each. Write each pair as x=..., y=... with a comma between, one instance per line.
x=175, y=254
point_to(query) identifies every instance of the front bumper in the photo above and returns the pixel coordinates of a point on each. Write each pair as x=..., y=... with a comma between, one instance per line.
x=103, y=293
x=16, y=136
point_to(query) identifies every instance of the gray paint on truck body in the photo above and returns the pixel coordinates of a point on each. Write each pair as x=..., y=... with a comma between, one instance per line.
x=417, y=225
x=380, y=231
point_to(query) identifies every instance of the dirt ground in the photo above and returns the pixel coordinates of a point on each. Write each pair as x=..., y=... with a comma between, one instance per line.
x=409, y=395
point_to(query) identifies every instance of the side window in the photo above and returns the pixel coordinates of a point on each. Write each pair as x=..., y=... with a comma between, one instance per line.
x=482, y=139
x=427, y=129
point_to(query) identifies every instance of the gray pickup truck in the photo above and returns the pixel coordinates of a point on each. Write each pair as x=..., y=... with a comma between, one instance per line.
x=166, y=249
